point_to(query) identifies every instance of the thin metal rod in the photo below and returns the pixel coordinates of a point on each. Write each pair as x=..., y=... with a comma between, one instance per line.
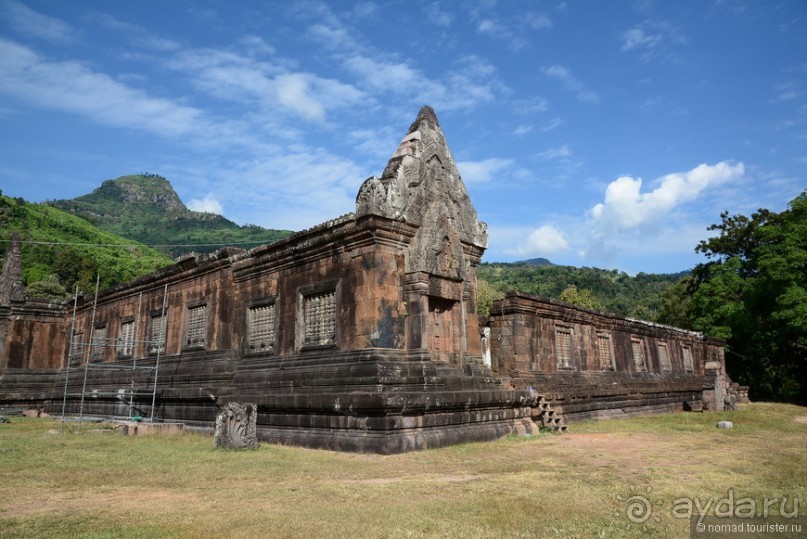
x=134, y=355
x=69, y=355
x=162, y=337
x=89, y=351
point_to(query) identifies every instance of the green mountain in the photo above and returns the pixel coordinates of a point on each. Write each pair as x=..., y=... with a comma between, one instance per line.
x=535, y=262
x=57, y=243
x=612, y=291
x=145, y=208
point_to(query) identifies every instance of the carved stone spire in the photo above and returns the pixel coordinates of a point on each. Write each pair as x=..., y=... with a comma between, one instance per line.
x=11, y=287
x=422, y=186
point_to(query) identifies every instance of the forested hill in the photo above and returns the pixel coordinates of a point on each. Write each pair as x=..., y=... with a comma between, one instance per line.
x=60, y=250
x=612, y=291
x=145, y=208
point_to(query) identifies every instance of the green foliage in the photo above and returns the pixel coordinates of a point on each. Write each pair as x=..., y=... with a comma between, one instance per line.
x=604, y=290
x=48, y=288
x=70, y=248
x=145, y=208
x=581, y=298
x=753, y=293
x=676, y=304
x=486, y=294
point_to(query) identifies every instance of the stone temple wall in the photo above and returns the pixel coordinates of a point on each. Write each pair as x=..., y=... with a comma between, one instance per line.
x=595, y=365
x=360, y=334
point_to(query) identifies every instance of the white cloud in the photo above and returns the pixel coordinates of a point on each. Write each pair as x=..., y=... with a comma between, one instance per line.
x=522, y=130
x=538, y=21
x=209, y=204
x=437, y=16
x=29, y=22
x=139, y=35
x=492, y=28
x=561, y=152
x=572, y=84
x=627, y=209
x=397, y=77
x=636, y=38
x=546, y=240
x=531, y=105
x=256, y=46
x=513, y=30
x=334, y=37
x=483, y=171
x=786, y=91
x=71, y=87
x=654, y=39
x=554, y=123
x=293, y=92
x=229, y=75
x=308, y=186
x=365, y=10
x=473, y=81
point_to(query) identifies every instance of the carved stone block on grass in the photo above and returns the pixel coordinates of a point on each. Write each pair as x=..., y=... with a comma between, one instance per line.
x=235, y=427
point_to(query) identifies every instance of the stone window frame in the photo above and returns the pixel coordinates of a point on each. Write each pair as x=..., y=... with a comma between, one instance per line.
x=664, y=358
x=258, y=304
x=640, y=361
x=155, y=346
x=187, y=337
x=304, y=292
x=126, y=343
x=98, y=349
x=688, y=359
x=568, y=332
x=611, y=365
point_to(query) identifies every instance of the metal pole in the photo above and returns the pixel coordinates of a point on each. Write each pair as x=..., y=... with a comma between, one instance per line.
x=134, y=355
x=89, y=351
x=69, y=355
x=163, y=338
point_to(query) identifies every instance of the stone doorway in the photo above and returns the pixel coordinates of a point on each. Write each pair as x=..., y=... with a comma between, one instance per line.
x=442, y=329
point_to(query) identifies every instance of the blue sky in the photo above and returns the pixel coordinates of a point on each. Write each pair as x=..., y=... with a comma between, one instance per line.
x=606, y=134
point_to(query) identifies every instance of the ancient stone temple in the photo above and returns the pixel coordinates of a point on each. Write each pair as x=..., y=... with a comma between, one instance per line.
x=360, y=334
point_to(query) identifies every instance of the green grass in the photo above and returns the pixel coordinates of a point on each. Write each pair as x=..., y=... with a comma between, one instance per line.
x=101, y=484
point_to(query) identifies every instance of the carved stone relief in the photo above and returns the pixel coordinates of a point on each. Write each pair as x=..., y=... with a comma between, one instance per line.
x=236, y=427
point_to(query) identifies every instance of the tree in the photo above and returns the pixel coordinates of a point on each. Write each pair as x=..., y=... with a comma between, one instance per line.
x=47, y=288
x=753, y=293
x=486, y=294
x=74, y=269
x=581, y=298
x=676, y=304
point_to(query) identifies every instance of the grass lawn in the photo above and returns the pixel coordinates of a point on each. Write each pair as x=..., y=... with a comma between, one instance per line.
x=579, y=484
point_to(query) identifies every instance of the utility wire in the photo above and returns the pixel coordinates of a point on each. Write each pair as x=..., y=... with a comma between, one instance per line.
x=135, y=245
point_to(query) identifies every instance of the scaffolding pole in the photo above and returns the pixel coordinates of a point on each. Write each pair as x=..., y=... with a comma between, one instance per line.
x=69, y=356
x=93, y=342
x=90, y=334
x=162, y=337
x=134, y=355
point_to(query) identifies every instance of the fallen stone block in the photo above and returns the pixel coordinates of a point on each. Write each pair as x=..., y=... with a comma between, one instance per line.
x=725, y=424
x=133, y=428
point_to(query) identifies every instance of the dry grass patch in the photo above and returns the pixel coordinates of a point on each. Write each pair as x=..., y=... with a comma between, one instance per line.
x=574, y=485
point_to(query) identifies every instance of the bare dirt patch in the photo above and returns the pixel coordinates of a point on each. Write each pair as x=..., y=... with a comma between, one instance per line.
x=801, y=419
x=439, y=479
x=116, y=499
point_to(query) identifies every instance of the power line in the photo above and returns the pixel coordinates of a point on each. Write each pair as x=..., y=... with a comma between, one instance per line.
x=136, y=245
